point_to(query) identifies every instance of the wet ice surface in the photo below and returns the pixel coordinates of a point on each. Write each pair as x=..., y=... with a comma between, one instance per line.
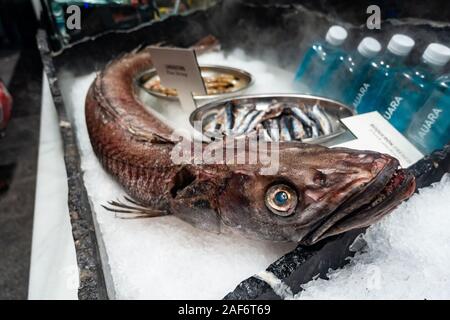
x=165, y=258
x=407, y=257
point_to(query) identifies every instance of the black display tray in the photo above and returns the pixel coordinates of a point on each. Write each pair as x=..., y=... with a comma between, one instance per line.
x=281, y=31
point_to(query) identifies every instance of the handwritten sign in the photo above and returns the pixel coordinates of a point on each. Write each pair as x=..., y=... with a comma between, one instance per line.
x=178, y=68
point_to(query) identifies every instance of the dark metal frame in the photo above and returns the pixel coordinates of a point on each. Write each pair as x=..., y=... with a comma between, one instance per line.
x=92, y=281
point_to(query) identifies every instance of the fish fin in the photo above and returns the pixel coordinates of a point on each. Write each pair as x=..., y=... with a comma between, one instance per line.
x=149, y=136
x=133, y=209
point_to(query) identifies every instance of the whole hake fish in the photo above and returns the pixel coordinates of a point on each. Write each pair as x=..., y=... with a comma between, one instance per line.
x=316, y=192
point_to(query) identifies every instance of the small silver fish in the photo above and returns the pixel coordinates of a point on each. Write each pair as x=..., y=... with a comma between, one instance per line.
x=240, y=113
x=273, y=110
x=298, y=131
x=312, y=128
x=229, y=118
x=210, y=123
x=261, y=132
x=321, y=118
x=256, y=120
x=301, y=115
x=246, y=122
x=314, y=131
x=274, y=129
x=285, y=135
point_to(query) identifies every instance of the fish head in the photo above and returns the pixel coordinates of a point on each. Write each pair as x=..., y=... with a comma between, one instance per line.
x=316, y=193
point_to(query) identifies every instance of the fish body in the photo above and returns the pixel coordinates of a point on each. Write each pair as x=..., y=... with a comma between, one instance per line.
x=229, y=118
x=284, y=129
x=255, y=121
x=298, y=131
x=266, y=134
x=312, y=129
x=321, y=118
x=270, y=112
x=315, y=193
x=274, y=129
x=240, y=113
x=246, y=122
x=211, y=126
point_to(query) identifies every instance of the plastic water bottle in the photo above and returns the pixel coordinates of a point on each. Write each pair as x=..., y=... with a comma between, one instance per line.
x=430, y=128
x=413, y=87
x=379, y=74
x=319, y=60
x=350, y=71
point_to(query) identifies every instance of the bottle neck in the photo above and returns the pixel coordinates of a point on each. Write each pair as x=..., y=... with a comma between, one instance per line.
x=430, y=68
x=358, y=58
x=392, y=59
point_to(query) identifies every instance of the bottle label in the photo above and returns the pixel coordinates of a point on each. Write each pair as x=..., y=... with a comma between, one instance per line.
x=430, y=120
x=361, y=93
x=393, y=105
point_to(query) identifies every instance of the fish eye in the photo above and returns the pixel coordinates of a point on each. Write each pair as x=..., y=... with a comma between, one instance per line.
x=281, y=200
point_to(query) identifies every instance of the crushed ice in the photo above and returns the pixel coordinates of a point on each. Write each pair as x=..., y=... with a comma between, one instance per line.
x=407, y=253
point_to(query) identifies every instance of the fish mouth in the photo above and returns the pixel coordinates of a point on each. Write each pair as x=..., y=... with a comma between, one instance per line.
x=388, y=190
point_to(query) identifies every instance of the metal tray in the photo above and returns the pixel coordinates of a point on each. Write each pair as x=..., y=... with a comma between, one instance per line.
x=335, y=110
x=243, y=81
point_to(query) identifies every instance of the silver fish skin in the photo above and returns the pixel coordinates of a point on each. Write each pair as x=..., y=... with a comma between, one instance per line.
x=274, y=130
x=220, y=119
x=321, y=118
x=302, y=116
x=314, y=131
x=229, y=118
x=210, y=126
x=256, y=120
x=285, y=135
x=240, y=114
x=271, y=111
x=298, y=131
x=331, y=190
x=266, y=134
x=246, y=122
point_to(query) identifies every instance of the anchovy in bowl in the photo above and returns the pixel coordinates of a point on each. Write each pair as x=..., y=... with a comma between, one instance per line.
x=279, y=117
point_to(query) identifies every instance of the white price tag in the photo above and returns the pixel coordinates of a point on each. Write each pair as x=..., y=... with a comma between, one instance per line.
x=178, y=68
x=375, y=133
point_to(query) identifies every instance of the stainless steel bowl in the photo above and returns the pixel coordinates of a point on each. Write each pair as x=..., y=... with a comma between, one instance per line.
x=334, y=110
x=243, y=81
